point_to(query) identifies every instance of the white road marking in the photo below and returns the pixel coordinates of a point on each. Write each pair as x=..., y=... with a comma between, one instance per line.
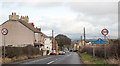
x=50, y=62
x=36, y=60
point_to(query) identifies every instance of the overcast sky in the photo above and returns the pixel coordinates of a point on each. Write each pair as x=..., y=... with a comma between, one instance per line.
x=66, y=16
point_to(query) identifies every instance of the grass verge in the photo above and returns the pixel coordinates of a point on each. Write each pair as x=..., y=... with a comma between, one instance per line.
x=87, y=59
x=9, y=60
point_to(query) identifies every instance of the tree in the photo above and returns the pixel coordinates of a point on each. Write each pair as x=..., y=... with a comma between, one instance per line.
x=63, y=40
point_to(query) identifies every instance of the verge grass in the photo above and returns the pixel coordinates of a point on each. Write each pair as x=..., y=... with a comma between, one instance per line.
x=88, y=59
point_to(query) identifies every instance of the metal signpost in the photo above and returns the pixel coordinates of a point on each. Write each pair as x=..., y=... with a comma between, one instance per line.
x=99, y=41
x=104, y=32
x=93, y=51
x=4, y=31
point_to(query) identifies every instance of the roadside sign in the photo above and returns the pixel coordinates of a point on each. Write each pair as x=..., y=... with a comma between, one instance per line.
x=104, y=32
x=100, y=41
x=4, y=31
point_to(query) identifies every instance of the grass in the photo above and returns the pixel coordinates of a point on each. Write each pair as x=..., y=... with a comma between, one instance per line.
x=9, y=60
x=87, y=59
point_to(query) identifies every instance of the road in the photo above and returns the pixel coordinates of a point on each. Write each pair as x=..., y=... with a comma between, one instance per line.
x=68, y=58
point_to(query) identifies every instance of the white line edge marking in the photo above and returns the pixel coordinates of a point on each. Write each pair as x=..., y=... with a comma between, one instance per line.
x=36, y=60
x=50, y=62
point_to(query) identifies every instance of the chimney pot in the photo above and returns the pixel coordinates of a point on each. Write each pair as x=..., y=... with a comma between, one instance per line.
x=14, y=13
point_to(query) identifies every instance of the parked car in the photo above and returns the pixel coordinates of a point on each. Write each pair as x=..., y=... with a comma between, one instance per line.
x=61, y=53
x=53, y=52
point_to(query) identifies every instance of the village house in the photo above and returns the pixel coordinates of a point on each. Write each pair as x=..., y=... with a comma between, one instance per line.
x=54, y=44
x=0, y=37
x=21, y=33
x=48, y=44
x=75, y=46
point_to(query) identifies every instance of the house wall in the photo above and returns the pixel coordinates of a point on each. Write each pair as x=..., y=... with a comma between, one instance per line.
x=0, y=36
x=55, y=44
x=75, y=47
x=18, y=34
x=39, y=38
x=48, y=44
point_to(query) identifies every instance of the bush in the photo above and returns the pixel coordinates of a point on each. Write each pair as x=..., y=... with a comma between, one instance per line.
x=21, y=51
x=112, y=50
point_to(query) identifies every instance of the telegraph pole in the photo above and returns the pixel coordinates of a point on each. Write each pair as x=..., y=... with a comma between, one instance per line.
x=81, y=41
x=84, y=37
x=52, y=39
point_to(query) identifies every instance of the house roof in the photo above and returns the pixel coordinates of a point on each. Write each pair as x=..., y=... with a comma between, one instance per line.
x=28, y=26
x=32, y=28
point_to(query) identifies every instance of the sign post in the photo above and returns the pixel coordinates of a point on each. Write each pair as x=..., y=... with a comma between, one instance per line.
x=99, y=41
x=4, y=31
x=93, y=51
x=104, y=32
x=105, y=48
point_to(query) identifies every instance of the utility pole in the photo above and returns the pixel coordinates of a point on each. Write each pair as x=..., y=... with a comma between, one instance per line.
x=52, y=39
x=81, y=41
x=84, y=37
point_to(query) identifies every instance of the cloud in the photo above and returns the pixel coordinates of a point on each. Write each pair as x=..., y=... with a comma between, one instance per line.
x=71, y=17
x=95, y=8
x=37, y=3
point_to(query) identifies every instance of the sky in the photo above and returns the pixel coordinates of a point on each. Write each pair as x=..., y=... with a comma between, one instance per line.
x=67, y=17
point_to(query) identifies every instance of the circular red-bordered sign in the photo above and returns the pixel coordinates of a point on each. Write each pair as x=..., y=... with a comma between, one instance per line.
x=4, y=31
x=104, y=32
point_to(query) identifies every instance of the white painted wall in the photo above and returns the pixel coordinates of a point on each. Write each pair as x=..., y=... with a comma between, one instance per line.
x=48, y=44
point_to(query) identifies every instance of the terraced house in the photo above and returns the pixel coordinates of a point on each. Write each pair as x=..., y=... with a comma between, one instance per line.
x=21, y=33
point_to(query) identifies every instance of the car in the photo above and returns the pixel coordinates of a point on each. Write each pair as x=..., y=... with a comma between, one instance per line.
x=61, y=53
x=53, y=52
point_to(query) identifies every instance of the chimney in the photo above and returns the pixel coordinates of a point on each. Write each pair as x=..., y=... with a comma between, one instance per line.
x=38, y=29
x=13, y=17
x=24, y=18
x=32, y=24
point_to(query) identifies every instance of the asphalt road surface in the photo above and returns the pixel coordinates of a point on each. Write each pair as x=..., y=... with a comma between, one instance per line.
x=68, y=58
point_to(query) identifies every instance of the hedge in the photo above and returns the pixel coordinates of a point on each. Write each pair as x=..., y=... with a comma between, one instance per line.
x=20, y=51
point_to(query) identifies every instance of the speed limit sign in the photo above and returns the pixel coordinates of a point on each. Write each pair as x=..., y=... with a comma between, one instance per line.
x=104, y=32
x=4, y=31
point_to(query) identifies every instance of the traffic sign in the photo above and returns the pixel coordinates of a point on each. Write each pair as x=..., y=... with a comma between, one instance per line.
x=4, y=31
x=99, y=41
x=104, y=32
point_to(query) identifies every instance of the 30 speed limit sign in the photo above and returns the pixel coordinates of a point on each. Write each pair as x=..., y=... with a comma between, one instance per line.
x=4, y=31
x=104, y=32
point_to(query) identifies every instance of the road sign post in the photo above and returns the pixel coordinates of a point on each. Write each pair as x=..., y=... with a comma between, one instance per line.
x=4, y=46
x=105, y=48
x=4, y=31
x=99, y=41
x=104, y=32
x=93, y=51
